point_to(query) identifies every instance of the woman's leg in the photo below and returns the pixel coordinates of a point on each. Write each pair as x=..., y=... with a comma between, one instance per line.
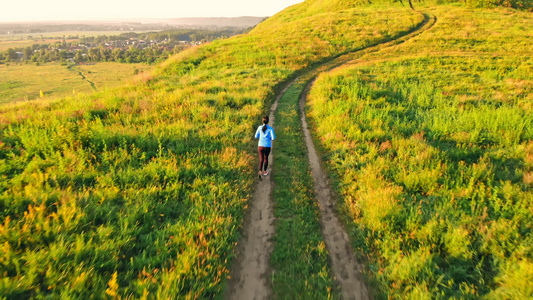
x=261, y=158
x=266, y=152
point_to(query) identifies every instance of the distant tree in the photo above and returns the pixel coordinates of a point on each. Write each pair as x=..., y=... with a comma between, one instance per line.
x=152, y=36
x=78, y=56
x=50, y=56
x=27, y=53
x=117, y=54
x=93, y=54
x=105, y=54
x=10, y=54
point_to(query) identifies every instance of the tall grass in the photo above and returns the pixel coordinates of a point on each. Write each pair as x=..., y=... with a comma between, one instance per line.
x=431, y=146
x=139, y=191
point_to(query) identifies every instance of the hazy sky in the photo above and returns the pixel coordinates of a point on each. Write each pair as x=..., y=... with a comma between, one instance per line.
x=38, y=10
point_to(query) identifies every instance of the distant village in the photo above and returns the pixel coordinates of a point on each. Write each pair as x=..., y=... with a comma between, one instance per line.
x=119, y=44
x=128, y=47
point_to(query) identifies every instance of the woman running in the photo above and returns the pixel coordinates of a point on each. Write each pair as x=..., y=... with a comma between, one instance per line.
x=265, y=134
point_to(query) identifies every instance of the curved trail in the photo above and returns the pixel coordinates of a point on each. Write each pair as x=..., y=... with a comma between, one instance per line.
x=82, y=76
x=250, y=276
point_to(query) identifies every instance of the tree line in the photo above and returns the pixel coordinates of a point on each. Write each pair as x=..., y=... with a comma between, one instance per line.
x=44, y=53
x=130, y=47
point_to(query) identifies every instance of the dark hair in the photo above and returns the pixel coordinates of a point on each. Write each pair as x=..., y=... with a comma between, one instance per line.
x=265, y=121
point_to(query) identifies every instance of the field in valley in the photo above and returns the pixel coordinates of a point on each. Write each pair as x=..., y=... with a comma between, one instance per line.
x=6, y=44
x=22, y=82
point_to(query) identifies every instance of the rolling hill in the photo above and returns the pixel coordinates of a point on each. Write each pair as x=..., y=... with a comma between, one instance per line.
x=141, y=191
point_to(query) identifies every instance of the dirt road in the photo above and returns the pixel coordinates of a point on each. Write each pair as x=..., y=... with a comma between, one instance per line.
x=250, y=277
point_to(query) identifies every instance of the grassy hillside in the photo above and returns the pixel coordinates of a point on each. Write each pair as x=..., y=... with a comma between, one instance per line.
x=432, y=146
x=140, y=191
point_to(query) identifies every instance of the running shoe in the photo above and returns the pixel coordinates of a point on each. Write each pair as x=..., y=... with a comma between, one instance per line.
x=265, y=173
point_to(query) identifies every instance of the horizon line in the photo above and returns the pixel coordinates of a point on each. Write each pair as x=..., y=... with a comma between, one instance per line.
x=122, y=19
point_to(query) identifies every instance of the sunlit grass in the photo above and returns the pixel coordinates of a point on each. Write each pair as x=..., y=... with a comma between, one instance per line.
x=139, y=191
x=300, y=259
x=431, y=142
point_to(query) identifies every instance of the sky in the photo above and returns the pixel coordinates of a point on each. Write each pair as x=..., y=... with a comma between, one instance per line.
x=50, y=10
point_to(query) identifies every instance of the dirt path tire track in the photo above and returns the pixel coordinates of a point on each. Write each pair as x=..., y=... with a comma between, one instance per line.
x=349, y=58
x=345, y=266
x=250, y=275
x=347, y=270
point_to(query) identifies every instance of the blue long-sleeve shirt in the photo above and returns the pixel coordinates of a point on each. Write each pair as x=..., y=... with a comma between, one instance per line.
x=265, y=138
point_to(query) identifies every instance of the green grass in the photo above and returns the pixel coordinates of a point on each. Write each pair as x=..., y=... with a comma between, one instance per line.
x=300, y=259
x=19, y=82
x=107, y=75
x=6, y=44
x=431, y=145
x=140, y=191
